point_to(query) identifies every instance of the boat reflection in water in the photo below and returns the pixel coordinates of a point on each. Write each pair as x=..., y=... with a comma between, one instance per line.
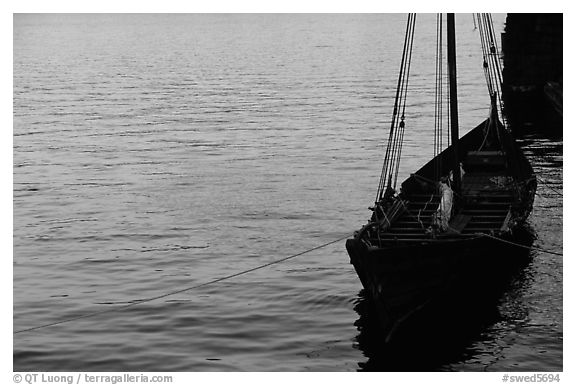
x=444, y=335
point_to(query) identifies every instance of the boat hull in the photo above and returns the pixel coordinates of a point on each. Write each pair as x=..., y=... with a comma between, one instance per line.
x=412, y=284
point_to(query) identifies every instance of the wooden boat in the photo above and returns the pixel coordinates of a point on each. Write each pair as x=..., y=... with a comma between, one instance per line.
x=455, y=228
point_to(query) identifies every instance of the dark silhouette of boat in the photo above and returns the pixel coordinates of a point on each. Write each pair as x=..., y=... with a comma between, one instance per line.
x=455, y=229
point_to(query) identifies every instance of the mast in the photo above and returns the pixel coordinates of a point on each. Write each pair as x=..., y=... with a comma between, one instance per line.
x=453, y=101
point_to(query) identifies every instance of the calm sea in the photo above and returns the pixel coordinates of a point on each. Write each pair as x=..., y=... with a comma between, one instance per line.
x=153, y=153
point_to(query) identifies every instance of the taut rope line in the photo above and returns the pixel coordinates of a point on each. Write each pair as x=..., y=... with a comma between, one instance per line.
x=119, y=308
x=550, y=187
x=519, y=245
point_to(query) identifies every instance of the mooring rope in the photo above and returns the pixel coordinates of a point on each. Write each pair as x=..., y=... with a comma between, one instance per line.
x=551, y=188
x=519, y=245
x=119, y=308
x=278, y=261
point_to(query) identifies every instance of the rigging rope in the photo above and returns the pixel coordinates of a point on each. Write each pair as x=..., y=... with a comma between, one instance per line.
x=390, y=167
x=491, y=61
x=438, y=111
x=138, y=302
x=402, y=118
x=399, y=128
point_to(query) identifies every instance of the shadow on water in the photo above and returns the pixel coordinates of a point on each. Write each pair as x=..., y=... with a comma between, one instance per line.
x=444, y=336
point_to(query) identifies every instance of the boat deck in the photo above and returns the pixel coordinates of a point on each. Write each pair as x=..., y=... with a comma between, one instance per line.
x=487, y=200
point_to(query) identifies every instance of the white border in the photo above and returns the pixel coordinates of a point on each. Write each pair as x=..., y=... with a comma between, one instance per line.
x=231, y=6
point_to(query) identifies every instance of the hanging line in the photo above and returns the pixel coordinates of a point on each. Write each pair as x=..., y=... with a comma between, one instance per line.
x=138, y=302
x=392, y=134
x=493, y=73
x=491, y=61
x=394, y=145
x=402, y=124
x=494, y=48
x=485, y=57
x=438, y=99
x=494, y=52
x=551, y=188
x=383, y=175
x=519, y=245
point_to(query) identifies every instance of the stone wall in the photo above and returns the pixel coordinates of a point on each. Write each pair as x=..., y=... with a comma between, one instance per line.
x=532, y=49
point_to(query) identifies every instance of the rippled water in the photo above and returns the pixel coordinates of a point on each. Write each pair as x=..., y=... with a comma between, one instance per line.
x=157, y=152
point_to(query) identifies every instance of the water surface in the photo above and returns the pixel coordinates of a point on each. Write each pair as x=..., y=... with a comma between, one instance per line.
x=157, y=152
